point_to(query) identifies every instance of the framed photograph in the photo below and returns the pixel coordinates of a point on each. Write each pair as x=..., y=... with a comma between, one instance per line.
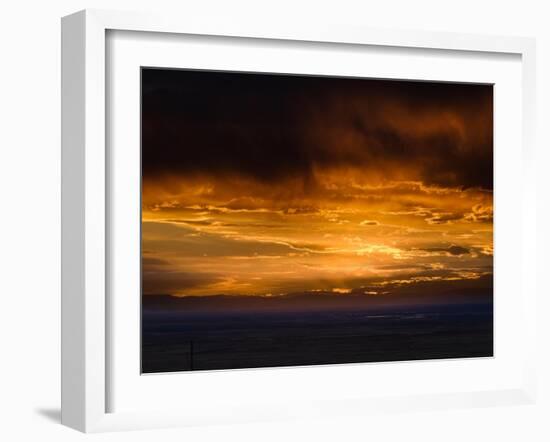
x=268, y=222
x=295, y=220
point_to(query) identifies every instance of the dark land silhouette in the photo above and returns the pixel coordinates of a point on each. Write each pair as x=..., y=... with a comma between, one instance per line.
x=225, y=332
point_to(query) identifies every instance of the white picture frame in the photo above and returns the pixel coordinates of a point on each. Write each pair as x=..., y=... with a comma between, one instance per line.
x=86, y=353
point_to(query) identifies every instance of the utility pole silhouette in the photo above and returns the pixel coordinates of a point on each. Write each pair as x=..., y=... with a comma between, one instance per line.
x=191, y=355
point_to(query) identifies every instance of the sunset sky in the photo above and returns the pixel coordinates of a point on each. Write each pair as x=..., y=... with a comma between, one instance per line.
x=267, y=185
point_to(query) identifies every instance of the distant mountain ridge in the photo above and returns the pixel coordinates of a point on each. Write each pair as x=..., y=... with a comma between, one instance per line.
x=459, y=292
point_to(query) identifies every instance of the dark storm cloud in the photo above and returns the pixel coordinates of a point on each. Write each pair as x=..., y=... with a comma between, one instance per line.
x=458, y=250
x=190, y=222
x=272, y=127
x=149, y=262
x=453, y=250
x=162, y=281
